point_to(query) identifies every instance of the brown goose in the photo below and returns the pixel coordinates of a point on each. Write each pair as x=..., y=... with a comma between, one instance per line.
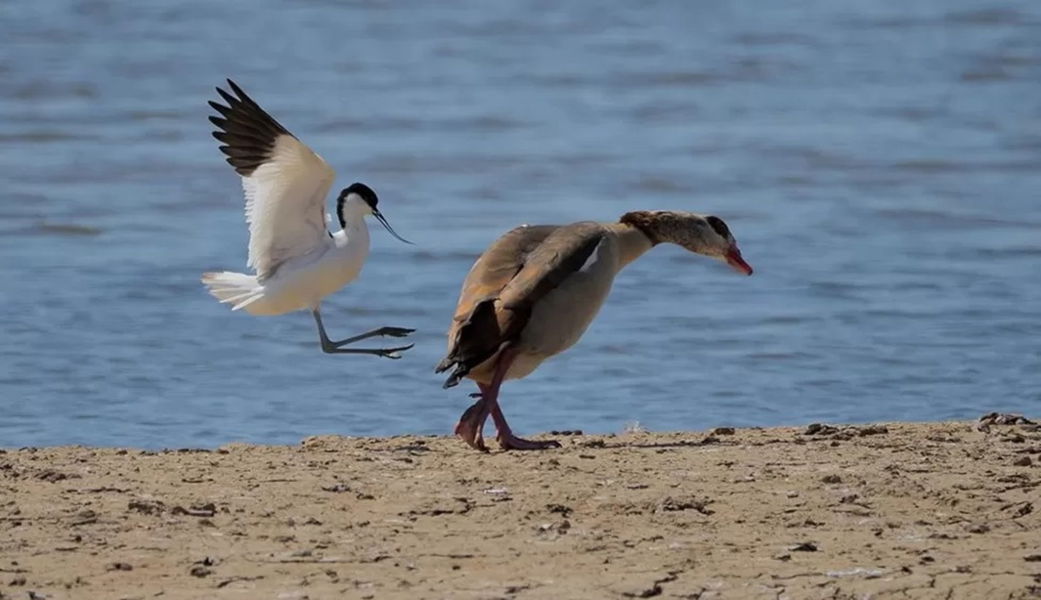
x=533, y=293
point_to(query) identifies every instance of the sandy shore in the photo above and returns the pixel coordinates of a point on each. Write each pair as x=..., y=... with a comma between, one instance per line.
x=899, y=510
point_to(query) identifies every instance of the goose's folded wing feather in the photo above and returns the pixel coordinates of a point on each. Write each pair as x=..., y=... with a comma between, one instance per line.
x=499, y=264
x=284, y=181
x=505, y=283
x=561, y=254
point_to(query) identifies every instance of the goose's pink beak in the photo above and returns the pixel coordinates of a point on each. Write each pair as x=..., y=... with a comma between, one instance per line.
x=737, y=263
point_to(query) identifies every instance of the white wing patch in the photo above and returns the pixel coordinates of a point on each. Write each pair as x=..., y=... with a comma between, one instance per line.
x=594, y=257
x=285, y=205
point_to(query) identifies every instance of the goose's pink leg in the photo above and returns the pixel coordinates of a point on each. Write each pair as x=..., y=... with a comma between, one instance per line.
x=505, y=436
x=508, y=441
x=471, y=424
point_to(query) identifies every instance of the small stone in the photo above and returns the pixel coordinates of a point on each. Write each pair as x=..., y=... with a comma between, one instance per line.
x=820, y=429
x=1023, y=461
x=120, y=566
x=723, y=431
x=831, y=479
x=804, y=547
x=559, y=508
x=199, y=509
x=51, y=476
x=148, y=507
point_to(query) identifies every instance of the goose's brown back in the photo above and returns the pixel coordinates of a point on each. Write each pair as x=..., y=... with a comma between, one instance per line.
x=512, y=275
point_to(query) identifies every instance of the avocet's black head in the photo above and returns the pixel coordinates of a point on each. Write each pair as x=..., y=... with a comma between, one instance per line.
x=364, y=193
x=361, y=193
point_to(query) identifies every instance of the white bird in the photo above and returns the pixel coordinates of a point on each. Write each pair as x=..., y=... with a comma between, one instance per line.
x=297, y=261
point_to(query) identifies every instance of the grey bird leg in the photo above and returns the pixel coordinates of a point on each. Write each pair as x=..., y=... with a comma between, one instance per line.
x=332, y=347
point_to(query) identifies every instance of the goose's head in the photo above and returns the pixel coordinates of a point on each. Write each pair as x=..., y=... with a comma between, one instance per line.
x=703, y=234
x=360, y=199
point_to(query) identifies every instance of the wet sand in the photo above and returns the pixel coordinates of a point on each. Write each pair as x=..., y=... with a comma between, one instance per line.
x=941, y=510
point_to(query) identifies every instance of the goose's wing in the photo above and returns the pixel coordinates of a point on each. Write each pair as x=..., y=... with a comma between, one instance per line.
x=285, y=182
x=505, y=283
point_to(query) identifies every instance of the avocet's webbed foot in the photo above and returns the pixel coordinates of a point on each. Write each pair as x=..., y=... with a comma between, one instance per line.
x=392, y=353
x=381, y=332
x=332, y=347
x=394, y=331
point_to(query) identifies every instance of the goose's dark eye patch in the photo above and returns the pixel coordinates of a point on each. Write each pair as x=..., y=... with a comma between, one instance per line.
x=718, y=226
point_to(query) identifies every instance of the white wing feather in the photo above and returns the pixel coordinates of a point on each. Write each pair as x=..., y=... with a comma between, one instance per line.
x=285, y=205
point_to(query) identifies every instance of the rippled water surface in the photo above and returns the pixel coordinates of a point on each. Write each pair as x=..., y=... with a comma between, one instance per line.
x=879, y=161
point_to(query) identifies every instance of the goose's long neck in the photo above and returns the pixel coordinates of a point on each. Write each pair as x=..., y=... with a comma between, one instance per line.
x=632, y=242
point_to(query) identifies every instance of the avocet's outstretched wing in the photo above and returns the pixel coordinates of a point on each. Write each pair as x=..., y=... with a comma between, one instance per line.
x=285, y=182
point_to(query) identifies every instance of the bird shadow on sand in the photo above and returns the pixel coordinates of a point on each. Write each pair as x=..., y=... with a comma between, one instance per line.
x=599, y=444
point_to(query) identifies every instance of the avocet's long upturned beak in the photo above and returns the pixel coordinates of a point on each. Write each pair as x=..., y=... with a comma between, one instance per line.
x=383, y=221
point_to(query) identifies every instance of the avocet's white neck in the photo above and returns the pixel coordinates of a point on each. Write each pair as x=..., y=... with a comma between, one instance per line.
x=355, y=231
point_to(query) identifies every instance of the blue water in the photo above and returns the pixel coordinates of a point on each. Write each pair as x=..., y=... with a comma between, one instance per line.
x=879, y=162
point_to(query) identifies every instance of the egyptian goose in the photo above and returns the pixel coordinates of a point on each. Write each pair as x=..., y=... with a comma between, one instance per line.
x=533, y=293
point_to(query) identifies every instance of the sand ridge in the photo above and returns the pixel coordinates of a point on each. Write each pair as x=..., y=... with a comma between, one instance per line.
x=942, y=510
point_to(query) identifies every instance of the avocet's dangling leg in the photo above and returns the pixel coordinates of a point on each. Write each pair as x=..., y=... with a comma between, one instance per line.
x=332, y=347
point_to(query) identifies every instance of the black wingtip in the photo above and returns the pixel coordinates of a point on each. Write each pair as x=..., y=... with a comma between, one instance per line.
x=453, y=379
x=238, y=91
x=445, y=364
x=231, y=100
x=249, y=132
